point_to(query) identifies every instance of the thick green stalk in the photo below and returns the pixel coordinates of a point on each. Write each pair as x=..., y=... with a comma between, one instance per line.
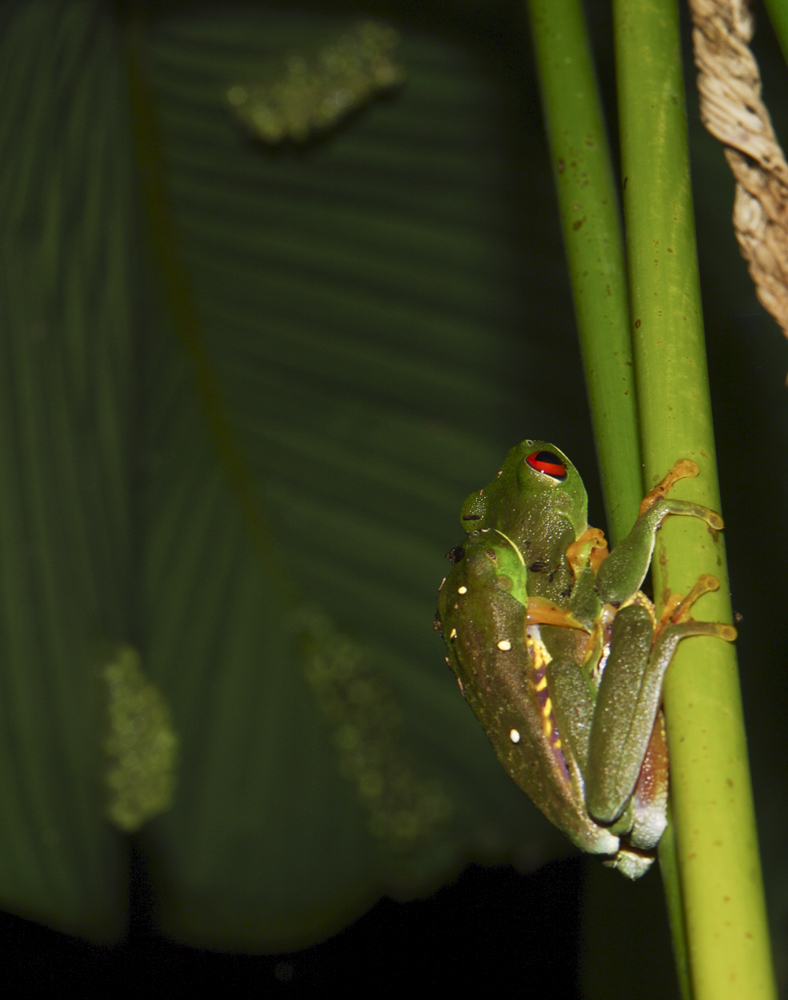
x=710, y=786
x=588, y=203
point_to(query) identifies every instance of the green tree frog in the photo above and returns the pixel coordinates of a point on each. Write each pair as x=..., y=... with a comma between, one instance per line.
x=561, y=656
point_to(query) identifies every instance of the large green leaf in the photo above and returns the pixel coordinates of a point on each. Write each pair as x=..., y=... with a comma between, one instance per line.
x=66, y=406
x=257, y=497
x=339, y=290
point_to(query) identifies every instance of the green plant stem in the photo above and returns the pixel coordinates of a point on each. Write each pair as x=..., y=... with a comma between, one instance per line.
x=671, y=884
x=715, y=832
x=588, y=203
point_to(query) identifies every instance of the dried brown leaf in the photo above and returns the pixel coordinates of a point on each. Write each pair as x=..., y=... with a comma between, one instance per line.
x=733, y=111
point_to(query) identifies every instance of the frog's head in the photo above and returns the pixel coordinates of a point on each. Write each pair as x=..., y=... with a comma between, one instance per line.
x=536, y=484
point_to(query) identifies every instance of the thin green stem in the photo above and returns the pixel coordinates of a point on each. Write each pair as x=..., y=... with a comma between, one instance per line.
x=588, y=204
x=671, y=884
x=714, y=824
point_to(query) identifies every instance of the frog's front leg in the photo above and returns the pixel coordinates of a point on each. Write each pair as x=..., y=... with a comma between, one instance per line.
x=621, y=574
x=627, y=703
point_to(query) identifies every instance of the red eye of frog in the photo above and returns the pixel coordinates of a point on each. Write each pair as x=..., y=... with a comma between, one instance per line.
x=548, y=463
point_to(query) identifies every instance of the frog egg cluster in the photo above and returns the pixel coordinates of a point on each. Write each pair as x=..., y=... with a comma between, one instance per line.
x=142, y=747
x=404, y=807
x=306, y=94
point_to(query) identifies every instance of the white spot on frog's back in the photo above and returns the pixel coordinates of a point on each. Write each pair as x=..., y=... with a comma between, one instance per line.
x=514, y=736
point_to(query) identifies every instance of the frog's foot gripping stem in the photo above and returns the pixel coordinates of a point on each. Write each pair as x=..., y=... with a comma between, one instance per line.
x=677, y=606
x=677, y=610
x=684, y=468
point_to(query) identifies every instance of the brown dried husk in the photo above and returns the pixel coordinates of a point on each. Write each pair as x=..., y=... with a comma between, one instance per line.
x=733, y=111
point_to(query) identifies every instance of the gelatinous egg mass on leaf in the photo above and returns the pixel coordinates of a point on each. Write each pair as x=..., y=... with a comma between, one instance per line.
x=307, y=92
